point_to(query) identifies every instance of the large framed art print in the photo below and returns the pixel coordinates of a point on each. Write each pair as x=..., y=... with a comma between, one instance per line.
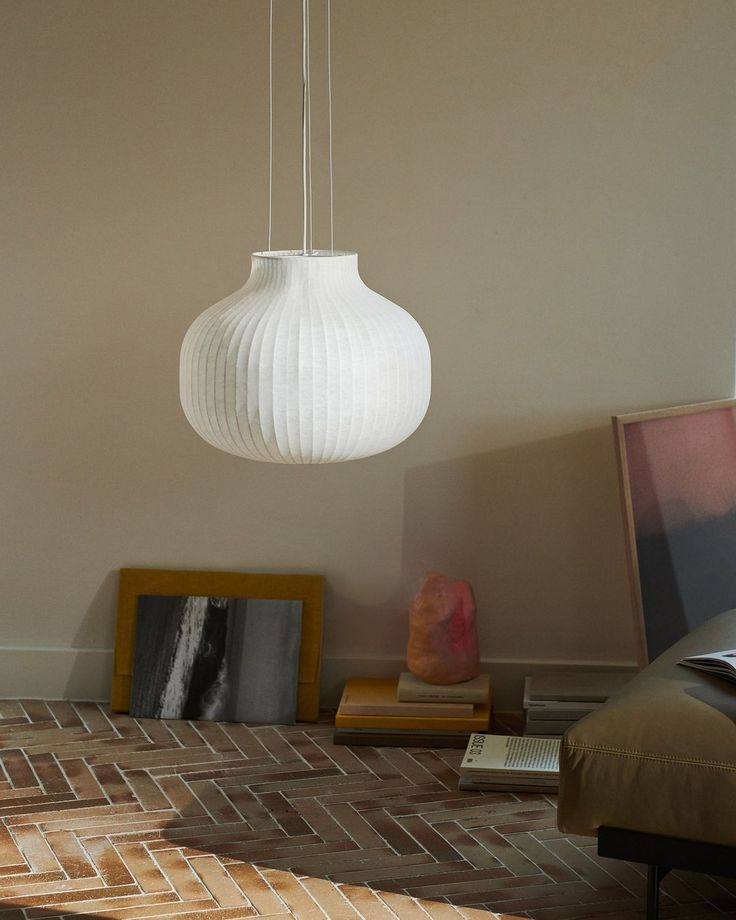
x=677, y=474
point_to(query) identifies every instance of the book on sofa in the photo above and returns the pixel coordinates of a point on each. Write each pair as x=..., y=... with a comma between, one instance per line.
x=720, y=664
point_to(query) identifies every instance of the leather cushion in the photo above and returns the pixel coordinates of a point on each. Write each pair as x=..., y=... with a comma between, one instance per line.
x=659, y=756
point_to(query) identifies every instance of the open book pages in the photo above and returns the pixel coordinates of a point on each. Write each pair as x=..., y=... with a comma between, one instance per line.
x=720, y=664
x=509, y=755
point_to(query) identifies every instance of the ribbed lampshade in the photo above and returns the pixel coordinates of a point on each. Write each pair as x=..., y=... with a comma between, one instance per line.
x=305, y=364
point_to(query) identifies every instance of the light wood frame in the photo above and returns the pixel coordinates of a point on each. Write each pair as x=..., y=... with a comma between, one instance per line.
x=619, y=424
x=308, y=589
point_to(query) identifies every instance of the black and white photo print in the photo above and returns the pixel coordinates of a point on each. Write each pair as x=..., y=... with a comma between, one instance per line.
x=222, y=658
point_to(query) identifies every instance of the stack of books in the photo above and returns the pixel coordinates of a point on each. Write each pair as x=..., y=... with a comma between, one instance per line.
x=510, y=763
x=407, y=711
x=555, y=700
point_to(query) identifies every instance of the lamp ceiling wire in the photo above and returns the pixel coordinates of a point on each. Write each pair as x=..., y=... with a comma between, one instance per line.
x=329, y=120
x=304, y=127
x=307, y=208
x=270, y=121
x=309, y=124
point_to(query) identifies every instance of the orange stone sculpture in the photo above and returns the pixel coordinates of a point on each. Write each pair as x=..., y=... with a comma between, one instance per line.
x=443, y=641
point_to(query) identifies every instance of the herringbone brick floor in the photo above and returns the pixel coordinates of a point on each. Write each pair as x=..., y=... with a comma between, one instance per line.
x=107, y=816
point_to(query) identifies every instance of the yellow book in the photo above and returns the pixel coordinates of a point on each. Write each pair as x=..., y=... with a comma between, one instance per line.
x=475, y=722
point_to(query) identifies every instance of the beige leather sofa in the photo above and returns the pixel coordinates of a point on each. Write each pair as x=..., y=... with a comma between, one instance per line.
x=653, y=772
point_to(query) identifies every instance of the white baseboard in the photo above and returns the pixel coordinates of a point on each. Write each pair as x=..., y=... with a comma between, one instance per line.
x=85, y=674
x=55, y=673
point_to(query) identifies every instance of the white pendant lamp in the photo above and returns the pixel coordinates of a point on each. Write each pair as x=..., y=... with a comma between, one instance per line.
x=305, y=363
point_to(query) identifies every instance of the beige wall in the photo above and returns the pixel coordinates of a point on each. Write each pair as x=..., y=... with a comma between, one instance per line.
x=546, y=185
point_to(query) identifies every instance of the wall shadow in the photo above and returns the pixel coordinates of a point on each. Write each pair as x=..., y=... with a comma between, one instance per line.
x=537, y=530
x=98, y=623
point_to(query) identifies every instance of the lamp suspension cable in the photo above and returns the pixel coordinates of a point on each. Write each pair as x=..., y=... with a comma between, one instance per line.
x=270, y=122
x=307, y=208
x=304, y=127
x=329, y=120
x=309, y=123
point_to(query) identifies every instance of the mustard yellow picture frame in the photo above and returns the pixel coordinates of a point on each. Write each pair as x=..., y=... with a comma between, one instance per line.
x=309, y=589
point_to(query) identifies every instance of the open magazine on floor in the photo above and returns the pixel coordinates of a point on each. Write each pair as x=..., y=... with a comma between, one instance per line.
x=720, y=664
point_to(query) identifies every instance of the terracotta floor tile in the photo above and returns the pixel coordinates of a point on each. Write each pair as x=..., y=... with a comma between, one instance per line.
x=35, y=849
x=164, y=906
x=222, y=839
x=282, y=852
x=392, y=874
x=28, y=734
x=64, y=714
x=250, y=808
x=367, y=903
x=36, y=710
x=67, y=812
x=217, y=804
x=233, y=767
x=356, y=826
x=123, y=818
x=16, y=869
x=180, y=875
x=220, y=885
x=467, y=846
x=10, y=855
x=11, y=709
x=93, y=716
x=185, y=733
x=225, y=913
x=391, y=832
x=22, y=804
x=441, y=911
x=18, y=769
x=144, y=870
x=403, y=907
x=39, y=892
x=81, y=779
x=72, y=858
x=319, y=819
x=284, y=814
x=277, y=745
x=295, y=896
x=106, y=858
x=328, y=897
x=504, y=851
x=158, y=731
x=245, y=740
x=216, y=738
x=256, y=773
x=113, y=819
x=181, y=796
x=101, y=906
x=439, y=768
x=260, y=893
x=146, y=791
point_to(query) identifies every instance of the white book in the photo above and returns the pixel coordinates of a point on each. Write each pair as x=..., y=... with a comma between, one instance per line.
x=413, y=690
x=719, y=664
x=509, y=755
x=574, y=686
x=482, y=779
x=470, y=785
x=561, y=714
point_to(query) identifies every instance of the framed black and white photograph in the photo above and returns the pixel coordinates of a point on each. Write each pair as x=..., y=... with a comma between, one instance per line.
x=218, y=645
x=220, y=658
